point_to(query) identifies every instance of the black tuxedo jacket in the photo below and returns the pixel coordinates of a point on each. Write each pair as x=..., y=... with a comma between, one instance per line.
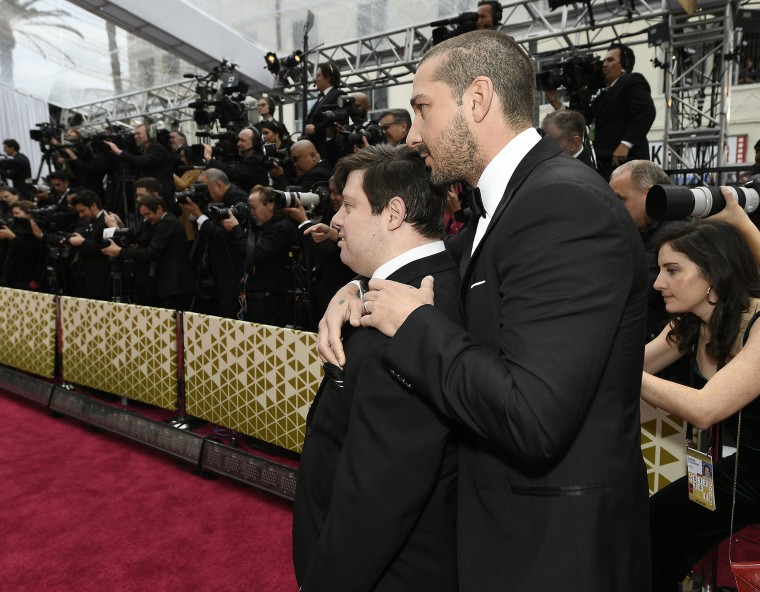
x=155, y=162
x=624, y=112
x=319, y=137
x=168, y=249
x=375, y=505
x=546, y=382
x=95, y=265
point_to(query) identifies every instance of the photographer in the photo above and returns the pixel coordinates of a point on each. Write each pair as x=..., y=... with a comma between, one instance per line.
x=267, y=246
x=568, y=128
x=214, y=252
x=220, y=188
x=250, y=170
x=489, y=15
x=395, y=124
x=266, y=109
x=309, y=166
x=25, y=255
x=167, y=249
x=96, y=269
x=327, y=81
x=622, y=113
x=88, y=166
x=153, y=160
x=16, y=168
x=60, y=184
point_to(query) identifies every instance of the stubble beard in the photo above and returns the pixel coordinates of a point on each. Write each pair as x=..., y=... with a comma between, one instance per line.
x=459, y=157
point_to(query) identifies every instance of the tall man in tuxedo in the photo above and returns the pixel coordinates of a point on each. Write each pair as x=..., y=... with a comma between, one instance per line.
x=545, y=380
x=375, y=507
x=327, y=82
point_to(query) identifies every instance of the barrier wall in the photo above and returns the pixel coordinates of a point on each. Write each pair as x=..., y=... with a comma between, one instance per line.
x=255, y=379
x=123, y=349
x=27, y=331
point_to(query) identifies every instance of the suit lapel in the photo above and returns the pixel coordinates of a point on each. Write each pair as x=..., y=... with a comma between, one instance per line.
x=412, y=273
x=542, y=151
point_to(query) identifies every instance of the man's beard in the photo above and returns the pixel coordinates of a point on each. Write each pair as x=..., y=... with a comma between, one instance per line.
x=458, y=156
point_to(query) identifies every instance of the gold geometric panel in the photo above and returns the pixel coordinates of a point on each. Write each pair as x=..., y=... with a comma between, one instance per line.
x=123, y=349
x=27, y=331
x=254, y=379
x=663, y=446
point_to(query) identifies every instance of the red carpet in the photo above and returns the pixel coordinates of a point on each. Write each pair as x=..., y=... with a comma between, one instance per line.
x=90, y=511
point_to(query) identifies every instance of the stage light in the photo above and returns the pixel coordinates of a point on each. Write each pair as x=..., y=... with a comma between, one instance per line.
x=293, y=60
x=273, y=62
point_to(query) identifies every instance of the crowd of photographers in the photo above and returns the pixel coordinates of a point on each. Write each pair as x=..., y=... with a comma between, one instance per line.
x=237, y=227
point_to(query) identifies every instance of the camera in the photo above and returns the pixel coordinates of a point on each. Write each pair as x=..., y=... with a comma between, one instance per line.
x=463, y=23
x=218, y=211
x=580, y=75
x=198, y=194
x=309, y=200
x=121, y=236
x=226, y=97
x=224, y=149
x=675, y=202
x=366, y=129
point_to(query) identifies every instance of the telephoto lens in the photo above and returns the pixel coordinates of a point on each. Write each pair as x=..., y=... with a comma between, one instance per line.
x=676, y=202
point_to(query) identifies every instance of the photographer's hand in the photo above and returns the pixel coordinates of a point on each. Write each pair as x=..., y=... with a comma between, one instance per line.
x=620, y=155
x=36, y=230
x=191, y=208
x=112, y=220
x=309, y=129
x=552, y=95
x=735, y=215
x=231, y=222
x=6, y=233
x=112, y=250
x=297, y=213
x=322, y=232
x=207, y=152
x=114, y=148
x=76, y=240
x=276, y=171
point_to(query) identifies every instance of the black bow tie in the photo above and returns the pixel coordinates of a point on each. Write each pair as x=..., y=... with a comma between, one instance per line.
x=475, y=201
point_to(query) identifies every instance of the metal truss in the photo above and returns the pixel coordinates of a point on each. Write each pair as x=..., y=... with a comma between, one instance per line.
x=699, y=64
x=390, y=58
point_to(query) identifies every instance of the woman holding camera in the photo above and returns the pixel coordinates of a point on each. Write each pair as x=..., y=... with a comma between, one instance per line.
x=711, y=284
x=25, y=259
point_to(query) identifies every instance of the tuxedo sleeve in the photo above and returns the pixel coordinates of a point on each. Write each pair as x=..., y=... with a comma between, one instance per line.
x=641, y=110
x=388, y=466
x=556, y=280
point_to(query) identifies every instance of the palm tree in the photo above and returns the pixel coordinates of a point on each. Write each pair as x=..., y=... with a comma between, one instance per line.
x=21, y=17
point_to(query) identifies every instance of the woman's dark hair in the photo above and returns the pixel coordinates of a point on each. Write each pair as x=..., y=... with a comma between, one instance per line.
x=726, y=263
x=191, y=159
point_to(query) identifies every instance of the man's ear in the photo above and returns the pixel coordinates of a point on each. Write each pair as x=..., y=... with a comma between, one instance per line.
x=479, y=98
x=576, y=143
x=396, y=209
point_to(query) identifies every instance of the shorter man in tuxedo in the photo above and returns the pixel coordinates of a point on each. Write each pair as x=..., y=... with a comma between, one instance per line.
x=376, y=495
x=327, y=81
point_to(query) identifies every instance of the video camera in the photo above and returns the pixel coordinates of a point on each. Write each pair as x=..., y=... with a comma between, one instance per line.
x=464, y=23
x=676, y=202
x=342, y=111
x=198, y=194
x=45, y=134
x=225, y=148
x=580, y=75
x=223, y=90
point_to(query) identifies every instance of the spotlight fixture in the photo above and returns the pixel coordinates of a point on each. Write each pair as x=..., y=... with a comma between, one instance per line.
x=293, y=60
x=273, y=62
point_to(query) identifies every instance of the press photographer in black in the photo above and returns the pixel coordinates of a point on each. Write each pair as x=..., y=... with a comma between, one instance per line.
x=25, y=254
x=214, y=253
x=167, y=248
x=16, y=168
x=327, y=81
x=153, y=160
x=95, y=267
x=267, y=245
x=249, y=169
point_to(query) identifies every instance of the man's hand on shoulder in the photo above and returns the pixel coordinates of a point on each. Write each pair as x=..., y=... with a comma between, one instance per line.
x=390, y=303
